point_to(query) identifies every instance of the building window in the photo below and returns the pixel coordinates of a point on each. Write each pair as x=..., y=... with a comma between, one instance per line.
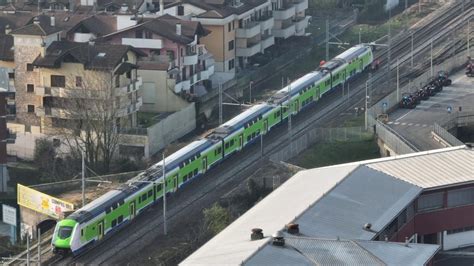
x=460, y=197
x=11, y=75
x=180, y=10
x=28, y=128
x=430, y=202
x=79, y=82
x=58, y=81
x=30, y=88
x=31, y=108
x=229, y=27
x=231, y=45
x=29, y=67
x=231, y=64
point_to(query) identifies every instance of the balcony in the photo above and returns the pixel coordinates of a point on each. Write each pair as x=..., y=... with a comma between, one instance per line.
x=286, y=32
x=267, y=41
x=301, y=24
x=143, y=43
x=266, y=22
x=181, y=85
x=42, y=111
x=67, y=93
x=207, y=73
x=130, y=107
x=132, y=86
x=190, y=59
x=300, y=5
x=249, y=30
x=284, y=12
x=250, y=50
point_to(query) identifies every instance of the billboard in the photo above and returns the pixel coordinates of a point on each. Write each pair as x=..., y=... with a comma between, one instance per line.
x=42, y=203
x=9, y=214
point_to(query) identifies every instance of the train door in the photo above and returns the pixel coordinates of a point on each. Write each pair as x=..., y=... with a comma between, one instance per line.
x=297, y=105
x=241, y=141
x=265, y=126
x=175, y=182
x=100, y=229
x=133, y=210
x=361, y=65
x=204, y=164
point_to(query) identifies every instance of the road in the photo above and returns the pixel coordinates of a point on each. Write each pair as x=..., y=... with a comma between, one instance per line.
x=416, y=125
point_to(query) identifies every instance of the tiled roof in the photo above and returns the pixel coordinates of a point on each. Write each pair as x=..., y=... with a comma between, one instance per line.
x=6, y=45
x=221, y=9
x=97, y=24
x=36, y=29
x=15, y=21
x=165, y=26
x=97, y=56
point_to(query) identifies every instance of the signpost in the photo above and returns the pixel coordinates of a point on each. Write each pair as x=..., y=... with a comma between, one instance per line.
x=9, y=217
x=42, y=203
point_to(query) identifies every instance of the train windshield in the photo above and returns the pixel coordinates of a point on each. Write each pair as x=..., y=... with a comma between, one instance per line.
x=64, y=232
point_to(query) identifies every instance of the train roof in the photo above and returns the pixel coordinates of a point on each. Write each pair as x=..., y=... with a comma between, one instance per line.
x=296, y=86
x=97, y=206
x=353, y=52
x=239, y=121
x=183, y=154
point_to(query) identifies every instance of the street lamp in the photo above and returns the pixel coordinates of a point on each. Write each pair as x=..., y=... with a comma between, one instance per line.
x=250, y=91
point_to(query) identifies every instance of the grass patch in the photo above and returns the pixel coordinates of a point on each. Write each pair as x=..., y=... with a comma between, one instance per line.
x=145, y=119
x=325, y=154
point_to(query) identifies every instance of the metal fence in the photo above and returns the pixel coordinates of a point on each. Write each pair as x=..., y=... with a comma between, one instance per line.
x=320, y=135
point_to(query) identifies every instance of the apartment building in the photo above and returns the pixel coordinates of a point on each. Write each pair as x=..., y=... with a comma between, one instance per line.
x=290, y=18
x=175, y=60
x=238, y=30
x=241, y=29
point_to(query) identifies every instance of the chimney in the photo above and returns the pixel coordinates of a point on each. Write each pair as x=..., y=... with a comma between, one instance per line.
x=293, y=229
x=36, y=21
x=53, y=21
x=124, y=8
x=278, y=239
x=162, y=7
x=8, y=29
x=257, y=234
x=91, y=42
x=178, y=28
x=43, y=49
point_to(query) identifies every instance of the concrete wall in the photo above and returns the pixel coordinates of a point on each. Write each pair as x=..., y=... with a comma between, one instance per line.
x=24, y=145
x=457, y=240
x=164, y=132
x=157, y=93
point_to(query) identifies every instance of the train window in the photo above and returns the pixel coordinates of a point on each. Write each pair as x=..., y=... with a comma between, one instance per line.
x=226, y=145
x=150, y=193
x=158, y=188
x=232, y=143
x=143, y=197
x=120, y=219
x=195, y=171
x=114, y=223
x=220, y=149
x=248, y=138
x=82, y=232
x=181, y=165
x=139, y=199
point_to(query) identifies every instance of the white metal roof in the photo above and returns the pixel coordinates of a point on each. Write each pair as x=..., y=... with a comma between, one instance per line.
x=316, y=251
x=364, y=196
x=233, y=245
x=245, y=114
x=437, y=168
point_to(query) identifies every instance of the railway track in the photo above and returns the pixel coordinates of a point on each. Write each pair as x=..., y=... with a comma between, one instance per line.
x=326, y=109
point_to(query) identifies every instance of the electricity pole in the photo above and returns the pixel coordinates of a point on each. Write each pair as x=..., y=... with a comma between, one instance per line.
x=220, y=103
x=398, y=80
x=411, y=55
x=165, y=231
x=327, y=40
x=289, y=118
x=83, y=175
x=431, y=57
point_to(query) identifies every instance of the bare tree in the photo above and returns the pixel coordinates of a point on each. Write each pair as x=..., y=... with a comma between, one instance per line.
x=92, y=114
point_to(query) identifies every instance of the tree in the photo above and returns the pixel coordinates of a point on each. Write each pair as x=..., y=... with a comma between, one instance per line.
x=93, y=114
x=216, y=218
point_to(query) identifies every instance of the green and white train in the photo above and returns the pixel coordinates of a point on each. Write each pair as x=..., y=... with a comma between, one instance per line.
x=108, y=213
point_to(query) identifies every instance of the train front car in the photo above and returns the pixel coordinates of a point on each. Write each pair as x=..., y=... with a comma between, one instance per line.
x=63, y=236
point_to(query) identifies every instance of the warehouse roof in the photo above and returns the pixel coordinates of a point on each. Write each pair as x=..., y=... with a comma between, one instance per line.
x=337, y=201
x=317, y=251
x=431, y=169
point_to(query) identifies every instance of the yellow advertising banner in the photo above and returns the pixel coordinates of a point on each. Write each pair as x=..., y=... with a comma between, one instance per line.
x=42, y=203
